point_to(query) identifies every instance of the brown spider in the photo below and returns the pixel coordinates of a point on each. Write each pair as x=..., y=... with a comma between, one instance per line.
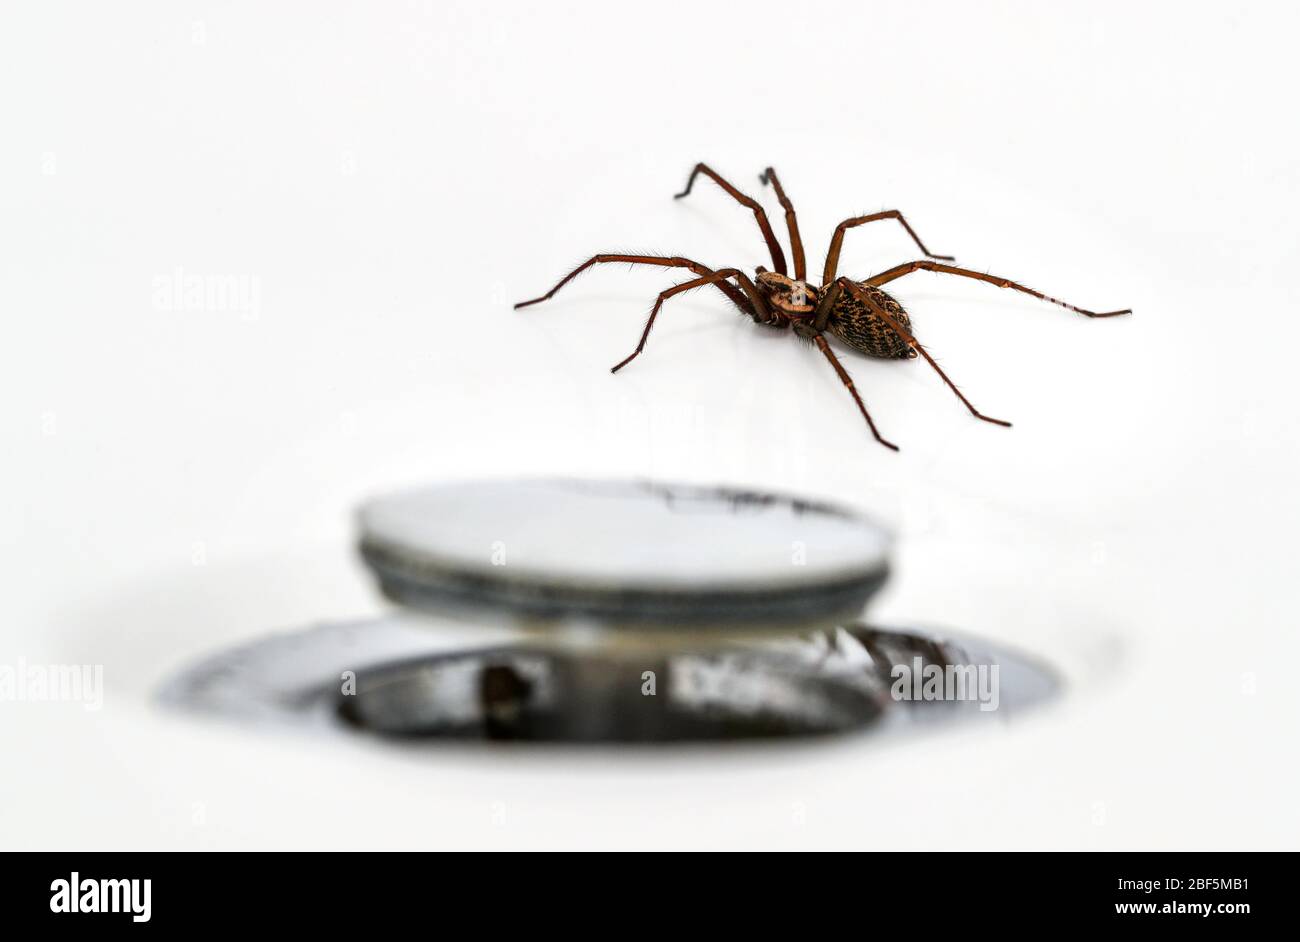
x=859, y=313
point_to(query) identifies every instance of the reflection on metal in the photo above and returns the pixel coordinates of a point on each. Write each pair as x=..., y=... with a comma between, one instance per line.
x=389, y=677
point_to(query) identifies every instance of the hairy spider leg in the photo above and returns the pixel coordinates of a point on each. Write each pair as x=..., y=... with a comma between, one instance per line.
x=712, y=278
x=906, y=269
x=837, y=240
x=791, y=224
x=773, y=246
x=824, y=347
x=730, y=290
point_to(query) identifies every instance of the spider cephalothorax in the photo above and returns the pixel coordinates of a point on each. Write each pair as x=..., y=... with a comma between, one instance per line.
x=858, y=313
x=797, y=300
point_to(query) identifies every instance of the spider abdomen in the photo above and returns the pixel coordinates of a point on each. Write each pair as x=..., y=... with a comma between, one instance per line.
x=866, y=331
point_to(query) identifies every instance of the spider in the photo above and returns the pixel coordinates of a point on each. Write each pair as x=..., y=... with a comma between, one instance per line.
x=859, y=313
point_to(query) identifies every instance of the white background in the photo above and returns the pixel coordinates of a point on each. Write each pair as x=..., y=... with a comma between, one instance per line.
x=392, y=176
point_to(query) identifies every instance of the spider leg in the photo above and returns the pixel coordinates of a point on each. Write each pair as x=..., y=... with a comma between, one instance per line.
x=727, y=288
x=716, y=277
x=906, y=269
x=796, y=244
x=822, y=314
x=773, y=246
x=837, y=240
x=911, y=341
x=820, y=341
